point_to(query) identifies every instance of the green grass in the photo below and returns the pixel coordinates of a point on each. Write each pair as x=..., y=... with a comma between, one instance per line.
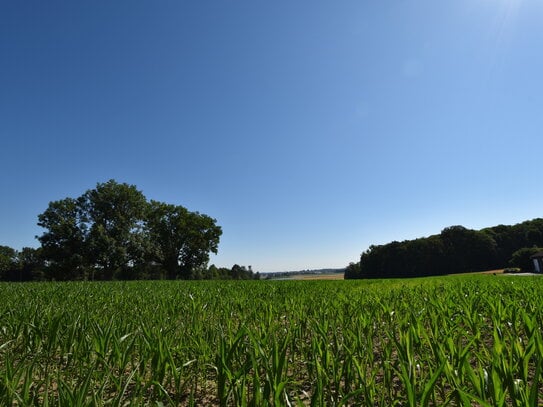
x=470, y=340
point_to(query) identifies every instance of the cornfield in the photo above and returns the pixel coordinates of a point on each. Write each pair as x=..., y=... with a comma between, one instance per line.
x=458, y=341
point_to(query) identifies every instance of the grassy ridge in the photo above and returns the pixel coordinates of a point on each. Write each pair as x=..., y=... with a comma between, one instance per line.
x=436, y=341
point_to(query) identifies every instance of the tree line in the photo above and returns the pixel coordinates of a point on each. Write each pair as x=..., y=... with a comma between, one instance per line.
x=455, y=250
x=113, y=232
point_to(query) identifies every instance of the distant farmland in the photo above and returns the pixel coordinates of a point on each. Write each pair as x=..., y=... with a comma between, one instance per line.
x=324, y=276
x=462, y=340
x=320, y=274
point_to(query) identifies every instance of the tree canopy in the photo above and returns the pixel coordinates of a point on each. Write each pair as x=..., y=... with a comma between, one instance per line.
x=7, y=260
x=113, y=231
x=180, y=240
x=24, y=265
x=455, y=250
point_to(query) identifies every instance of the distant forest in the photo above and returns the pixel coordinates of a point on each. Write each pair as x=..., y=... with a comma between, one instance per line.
x=455, y=250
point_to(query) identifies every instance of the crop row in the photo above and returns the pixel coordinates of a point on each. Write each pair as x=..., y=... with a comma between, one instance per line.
x=448, y=341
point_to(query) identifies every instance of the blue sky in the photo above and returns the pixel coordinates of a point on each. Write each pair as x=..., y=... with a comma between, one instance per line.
x=309, y=129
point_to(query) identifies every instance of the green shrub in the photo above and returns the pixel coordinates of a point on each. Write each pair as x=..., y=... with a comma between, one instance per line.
x=521, y=258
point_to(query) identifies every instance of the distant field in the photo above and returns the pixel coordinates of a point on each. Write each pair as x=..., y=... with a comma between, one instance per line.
x=331, y=276
x=458, y=341
x=498, y=271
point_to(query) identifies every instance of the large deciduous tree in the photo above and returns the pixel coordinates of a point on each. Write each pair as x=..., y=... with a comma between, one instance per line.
x=7, y=260
x=64, y=244
x=116, y=215
x=112, y=230
x=181, y=240
x=30, y=264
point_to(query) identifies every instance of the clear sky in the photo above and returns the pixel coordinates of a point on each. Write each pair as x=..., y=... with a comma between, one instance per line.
x=309, y=129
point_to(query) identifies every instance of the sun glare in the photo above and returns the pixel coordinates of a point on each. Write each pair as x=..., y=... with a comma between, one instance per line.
x=507, y=15
x=502, y=31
